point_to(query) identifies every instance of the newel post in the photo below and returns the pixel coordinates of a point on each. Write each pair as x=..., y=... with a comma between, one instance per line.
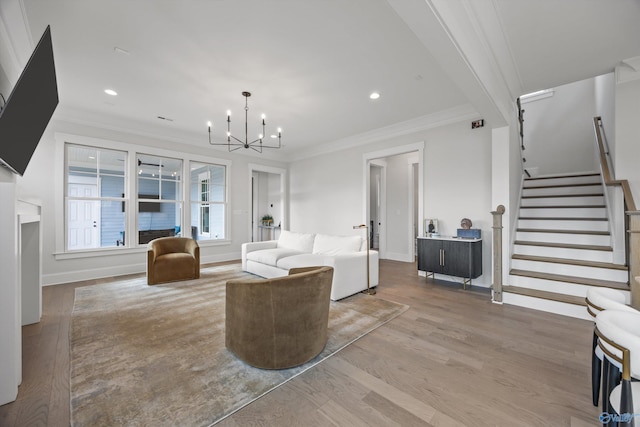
x=497, y=254
x=634, y=258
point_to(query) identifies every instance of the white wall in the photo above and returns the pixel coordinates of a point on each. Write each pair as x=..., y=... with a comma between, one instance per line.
x=558, y=130
x=10, y=307
x=327, y=191
x=605, y=92
x=627, y=130
x=39, y=182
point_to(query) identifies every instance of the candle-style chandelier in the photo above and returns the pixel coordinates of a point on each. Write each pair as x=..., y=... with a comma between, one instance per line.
x=256, y=144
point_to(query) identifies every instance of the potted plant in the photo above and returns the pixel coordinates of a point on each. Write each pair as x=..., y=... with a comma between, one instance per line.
x=267, y=219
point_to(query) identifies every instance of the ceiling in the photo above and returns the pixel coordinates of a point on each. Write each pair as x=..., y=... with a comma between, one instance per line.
x=311, y=65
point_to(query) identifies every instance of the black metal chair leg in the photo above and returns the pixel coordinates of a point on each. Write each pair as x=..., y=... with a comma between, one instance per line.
x=613, y=379
x=596, y=371
x=626, y=402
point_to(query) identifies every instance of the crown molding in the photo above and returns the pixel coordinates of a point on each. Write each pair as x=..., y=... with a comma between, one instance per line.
x=419, y=124
x=16, y=43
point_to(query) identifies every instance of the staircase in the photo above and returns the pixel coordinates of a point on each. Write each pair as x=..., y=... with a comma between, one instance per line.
x=562, y=245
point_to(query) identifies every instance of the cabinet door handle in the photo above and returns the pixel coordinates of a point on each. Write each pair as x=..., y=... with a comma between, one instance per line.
x=443, y=257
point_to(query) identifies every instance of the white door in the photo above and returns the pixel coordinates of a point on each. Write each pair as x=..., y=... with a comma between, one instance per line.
x=83, y=217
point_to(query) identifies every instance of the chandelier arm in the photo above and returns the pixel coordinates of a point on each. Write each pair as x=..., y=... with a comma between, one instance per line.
x=226, y=143
x=241, y=142
x=254, y=141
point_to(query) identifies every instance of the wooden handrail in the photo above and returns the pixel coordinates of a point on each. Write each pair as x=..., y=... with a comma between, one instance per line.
x=631, y=218
x=606, y=172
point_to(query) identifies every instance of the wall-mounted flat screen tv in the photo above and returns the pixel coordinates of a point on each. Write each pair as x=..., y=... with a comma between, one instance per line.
x=27, y=111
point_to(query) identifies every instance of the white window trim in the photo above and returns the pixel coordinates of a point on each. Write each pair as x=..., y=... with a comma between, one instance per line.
x=130, y=188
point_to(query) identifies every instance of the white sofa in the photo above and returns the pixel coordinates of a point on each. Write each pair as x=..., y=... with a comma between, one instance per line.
x=346, y=254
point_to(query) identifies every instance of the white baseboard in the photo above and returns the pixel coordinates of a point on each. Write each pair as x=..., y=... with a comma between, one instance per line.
x=398, y=257
x=120, y=270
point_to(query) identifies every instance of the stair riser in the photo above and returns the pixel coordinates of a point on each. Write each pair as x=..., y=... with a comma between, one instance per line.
x=555, y=191
x=587, y=255
x=565, y=309
x=555, y=201
x=591, y=179
x=570, y=270
x=564, y=224
x=576, y=239
x=563, y=212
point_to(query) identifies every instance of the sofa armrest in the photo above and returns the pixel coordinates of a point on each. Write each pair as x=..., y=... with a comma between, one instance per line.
x=350, y=273
x=256, y=246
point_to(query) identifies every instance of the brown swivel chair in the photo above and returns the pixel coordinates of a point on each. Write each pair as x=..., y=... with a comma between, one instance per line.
x=279, y=323
x=172, y=258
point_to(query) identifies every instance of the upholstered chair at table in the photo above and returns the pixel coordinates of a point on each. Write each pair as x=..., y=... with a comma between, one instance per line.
x=598, y=300
x=172, y=258
x=279, y=323
x=619, y=338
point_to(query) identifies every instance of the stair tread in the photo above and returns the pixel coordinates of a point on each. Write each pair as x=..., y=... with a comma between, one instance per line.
x=565, y=245
x=560, y=218
x=577, y=175
x=544, y=196
x=569, y=261
x=571, y=279
x=581, y=184
x=553, y=296
x=560, y=231
x=562, y=206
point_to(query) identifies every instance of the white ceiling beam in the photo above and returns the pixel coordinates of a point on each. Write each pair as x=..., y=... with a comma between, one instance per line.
x=457, y=41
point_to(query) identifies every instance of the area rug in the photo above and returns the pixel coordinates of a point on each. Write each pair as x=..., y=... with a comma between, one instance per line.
x=155, y=355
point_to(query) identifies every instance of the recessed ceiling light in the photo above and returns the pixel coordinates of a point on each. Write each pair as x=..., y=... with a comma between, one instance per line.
x=274, y=136
x=110, y=92
x=374, y=95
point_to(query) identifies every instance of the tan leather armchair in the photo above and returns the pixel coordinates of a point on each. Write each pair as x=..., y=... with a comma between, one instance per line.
x=172, y=258
x=279, y=323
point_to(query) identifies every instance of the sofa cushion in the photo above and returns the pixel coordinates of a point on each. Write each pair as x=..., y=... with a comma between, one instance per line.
x=271, y=256
x=335, y=245
x=299, y=241
x=302, y=260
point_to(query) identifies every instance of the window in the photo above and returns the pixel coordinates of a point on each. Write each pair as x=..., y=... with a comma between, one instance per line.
x=208, y=197
x=95, y=208
x=117, y=195
x=159, y=197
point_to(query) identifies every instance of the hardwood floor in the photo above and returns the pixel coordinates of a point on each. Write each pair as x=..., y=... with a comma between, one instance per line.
x=453, y=358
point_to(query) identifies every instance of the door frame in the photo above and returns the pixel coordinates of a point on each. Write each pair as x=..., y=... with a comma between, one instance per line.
x=367, y=159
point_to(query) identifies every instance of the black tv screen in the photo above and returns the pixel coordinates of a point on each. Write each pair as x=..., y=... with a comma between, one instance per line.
x=29, y=107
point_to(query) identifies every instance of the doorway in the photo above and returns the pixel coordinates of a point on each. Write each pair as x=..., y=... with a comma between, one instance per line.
x=268, y=197
x=377, y=200
x=84, y=215
x=393, y=193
